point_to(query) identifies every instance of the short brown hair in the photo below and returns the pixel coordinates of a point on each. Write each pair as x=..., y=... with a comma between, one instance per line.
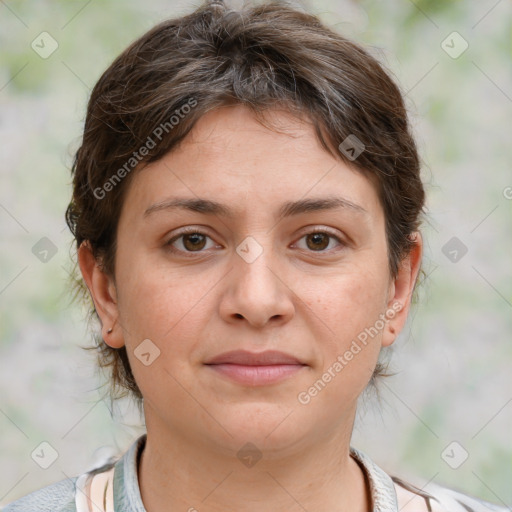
x=262, y=56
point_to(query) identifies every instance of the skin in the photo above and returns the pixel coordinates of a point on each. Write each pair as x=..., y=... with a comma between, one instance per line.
x=305, y=297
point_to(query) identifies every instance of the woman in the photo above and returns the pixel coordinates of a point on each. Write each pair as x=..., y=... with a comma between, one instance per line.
x=246, y=209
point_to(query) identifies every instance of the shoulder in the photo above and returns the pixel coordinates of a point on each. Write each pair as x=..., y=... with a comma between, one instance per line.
x=57, y=497
x=70, y=494
x=436, y=498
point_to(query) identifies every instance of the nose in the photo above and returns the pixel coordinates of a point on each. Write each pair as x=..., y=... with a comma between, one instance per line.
x=257, y=290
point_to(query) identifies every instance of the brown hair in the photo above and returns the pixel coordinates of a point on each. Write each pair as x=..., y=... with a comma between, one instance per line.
x=263, y=56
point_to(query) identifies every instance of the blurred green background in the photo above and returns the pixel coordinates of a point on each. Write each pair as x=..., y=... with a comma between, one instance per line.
x=453, y=362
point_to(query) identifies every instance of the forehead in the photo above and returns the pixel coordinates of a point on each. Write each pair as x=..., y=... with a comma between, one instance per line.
x=230, y=156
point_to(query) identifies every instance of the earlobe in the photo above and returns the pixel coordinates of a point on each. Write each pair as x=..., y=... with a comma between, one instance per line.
x=103, y=292
x=401, y=290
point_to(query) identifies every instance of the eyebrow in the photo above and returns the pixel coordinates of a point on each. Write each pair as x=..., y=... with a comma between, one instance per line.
x=288, y=209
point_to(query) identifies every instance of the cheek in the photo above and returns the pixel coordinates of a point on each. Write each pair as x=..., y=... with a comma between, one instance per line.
x=167, y=309
x=349, y=310
x=349, y=302
x=161, y=304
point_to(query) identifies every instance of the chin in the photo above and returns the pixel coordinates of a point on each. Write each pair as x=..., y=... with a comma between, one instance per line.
x=267, y=426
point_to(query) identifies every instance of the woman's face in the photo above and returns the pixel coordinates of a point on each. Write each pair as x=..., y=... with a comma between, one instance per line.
x=251, y=275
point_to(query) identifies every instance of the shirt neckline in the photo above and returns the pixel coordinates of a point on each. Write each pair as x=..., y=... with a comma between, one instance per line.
x=127, y=491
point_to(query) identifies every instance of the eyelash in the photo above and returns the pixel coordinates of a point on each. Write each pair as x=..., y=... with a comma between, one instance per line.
x=191, y=230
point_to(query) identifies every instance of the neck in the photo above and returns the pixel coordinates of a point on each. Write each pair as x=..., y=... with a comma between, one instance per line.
x=178, y=474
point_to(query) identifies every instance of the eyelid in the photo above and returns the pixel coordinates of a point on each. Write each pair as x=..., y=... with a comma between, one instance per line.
x=318, y=228
x=190, y=229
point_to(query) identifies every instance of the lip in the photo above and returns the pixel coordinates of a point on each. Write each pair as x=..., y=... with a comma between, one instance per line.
x=246, y=358
x=255, y=368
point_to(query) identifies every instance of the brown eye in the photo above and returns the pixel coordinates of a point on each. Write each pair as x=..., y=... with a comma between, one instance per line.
x=320, y=241
x=189, y=242
x=194, y=241
x=317, y=241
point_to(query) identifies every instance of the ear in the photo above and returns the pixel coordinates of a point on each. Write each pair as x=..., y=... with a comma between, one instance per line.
x=103, y=292
x=400, y=291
